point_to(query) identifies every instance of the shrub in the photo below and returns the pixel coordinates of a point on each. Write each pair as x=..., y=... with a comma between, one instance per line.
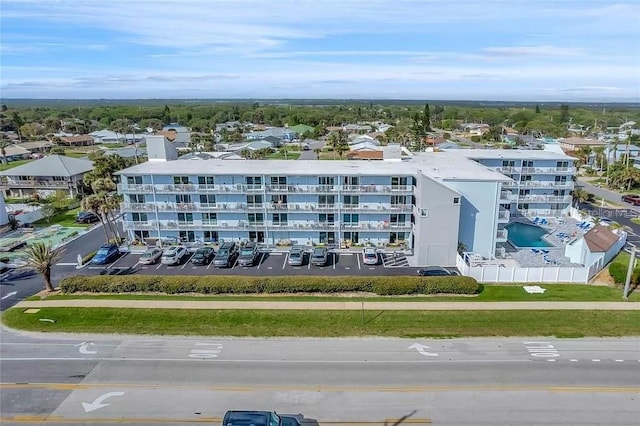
x=88, y=257
x=618, y=272
x=209, y=284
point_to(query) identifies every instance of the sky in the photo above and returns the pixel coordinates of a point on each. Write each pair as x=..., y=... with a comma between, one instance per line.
x=502, y=50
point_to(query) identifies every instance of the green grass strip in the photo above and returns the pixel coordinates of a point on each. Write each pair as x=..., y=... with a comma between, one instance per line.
x=244, y=323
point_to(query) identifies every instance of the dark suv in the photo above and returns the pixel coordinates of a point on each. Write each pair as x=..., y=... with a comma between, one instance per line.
x=242, y=418
x=248, y=255
x=87, y=217
x=203, y=256
x=226, y=255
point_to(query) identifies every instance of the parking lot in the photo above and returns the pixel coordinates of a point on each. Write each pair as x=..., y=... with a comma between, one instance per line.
x=269, y=263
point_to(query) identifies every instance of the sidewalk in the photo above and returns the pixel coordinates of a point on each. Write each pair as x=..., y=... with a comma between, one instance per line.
x=337, y=306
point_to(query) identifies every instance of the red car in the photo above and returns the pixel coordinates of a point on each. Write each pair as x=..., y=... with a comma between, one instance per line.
x=632, y=199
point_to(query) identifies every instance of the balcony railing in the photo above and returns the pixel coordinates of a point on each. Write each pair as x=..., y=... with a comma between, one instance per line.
x=246, y=225
x=501, y=235
x=507, y=169
x=532, y=198
x=540, y=212
x=503, y=215
x=54, y=184
x=137, y=207
x=137, y=225
x=548, y=170
x=545, y=184
x=507, y=196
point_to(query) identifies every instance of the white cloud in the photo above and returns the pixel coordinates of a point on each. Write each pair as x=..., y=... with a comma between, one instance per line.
x=548, y=51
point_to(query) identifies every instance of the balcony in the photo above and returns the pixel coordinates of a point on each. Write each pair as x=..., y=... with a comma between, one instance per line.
x=129, y=225
x=503, y=216
x=540, y=213
x=137, y=207
x=254, y=188
x=175, y=188
x=544, y=198
x=177, y=207
x=506, y=196
x=256, y=206
x=501, y=235
x=546, y=184
x=507, y=169
x=128, y=188
x=227, y=188
x=549, y=170
x=44, y=184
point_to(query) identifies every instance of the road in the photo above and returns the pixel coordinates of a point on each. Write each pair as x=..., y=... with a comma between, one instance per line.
x=607, y=194
x=93, y=379
x=310, y=155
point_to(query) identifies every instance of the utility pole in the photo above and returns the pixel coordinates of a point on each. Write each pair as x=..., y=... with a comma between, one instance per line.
x=627, y=281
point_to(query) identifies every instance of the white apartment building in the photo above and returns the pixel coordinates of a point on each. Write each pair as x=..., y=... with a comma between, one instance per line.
x=431, y=202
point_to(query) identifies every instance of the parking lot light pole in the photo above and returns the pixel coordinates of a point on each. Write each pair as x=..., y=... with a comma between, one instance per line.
x=627, y=281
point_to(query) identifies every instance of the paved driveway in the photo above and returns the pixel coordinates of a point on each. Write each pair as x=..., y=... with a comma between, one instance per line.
x=310, y=155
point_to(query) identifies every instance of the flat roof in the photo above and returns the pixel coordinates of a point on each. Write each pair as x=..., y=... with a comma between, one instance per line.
x=512, y=154
x=438, y=165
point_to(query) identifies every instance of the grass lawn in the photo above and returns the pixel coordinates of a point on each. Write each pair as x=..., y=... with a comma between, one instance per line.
x=328, y=323
x=67, y=218
x=635, y=220
x=280, y=156
x=13, y=164
x=75, y=154
x=490, y=293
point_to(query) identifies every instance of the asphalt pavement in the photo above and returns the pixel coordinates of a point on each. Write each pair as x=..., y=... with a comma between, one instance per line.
x=63, y=379
x=310, y=155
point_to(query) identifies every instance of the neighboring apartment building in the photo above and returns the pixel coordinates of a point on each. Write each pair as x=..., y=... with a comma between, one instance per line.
x=431, y=202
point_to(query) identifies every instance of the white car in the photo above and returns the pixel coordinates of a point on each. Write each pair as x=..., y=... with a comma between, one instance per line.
x=173, y=255
x=370, y=256
x=150, y=256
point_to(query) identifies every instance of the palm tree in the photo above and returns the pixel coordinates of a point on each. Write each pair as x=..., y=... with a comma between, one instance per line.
x=42, y=257
x=579, y=196
x=95, y=203
x=341, y=149
x=317, y=151
x=333, y=140
x=4, y=143
x=246, y=153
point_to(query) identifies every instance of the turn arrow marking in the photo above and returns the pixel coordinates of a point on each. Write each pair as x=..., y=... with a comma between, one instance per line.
x=8, y=295
x=98, y=402
x=422, y=349
x=84, y=348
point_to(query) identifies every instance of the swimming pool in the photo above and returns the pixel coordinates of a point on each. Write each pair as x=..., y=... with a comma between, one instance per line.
x=524, y=235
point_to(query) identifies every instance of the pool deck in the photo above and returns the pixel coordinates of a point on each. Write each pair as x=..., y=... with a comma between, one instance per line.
x=527, y=257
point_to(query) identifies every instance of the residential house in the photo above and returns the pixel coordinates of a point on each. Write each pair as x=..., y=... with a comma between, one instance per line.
x=303, y=129
x=357, y=139
x=108, y=136
x=14, y=153
x=283, y=134
x=44, y=176
x=39, y=147
x=77, y=140
x=573, y=144
x=178, y=135
x=475, y=129
x=616, y=152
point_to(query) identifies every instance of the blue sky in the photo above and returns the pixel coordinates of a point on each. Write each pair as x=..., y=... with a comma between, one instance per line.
x=586, y=50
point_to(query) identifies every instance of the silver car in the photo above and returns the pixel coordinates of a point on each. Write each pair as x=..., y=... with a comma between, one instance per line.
x=150, y=256
x=173, y=255
x=296, y=256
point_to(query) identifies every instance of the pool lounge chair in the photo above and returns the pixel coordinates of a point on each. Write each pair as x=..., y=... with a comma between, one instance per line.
x=544, y=251
x=535, y=251
x=536, y=220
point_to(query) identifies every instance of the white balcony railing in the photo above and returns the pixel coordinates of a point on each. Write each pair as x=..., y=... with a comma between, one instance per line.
x=501, y=235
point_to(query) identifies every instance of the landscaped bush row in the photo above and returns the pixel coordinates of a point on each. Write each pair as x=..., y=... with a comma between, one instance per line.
x=270, y=285
x=618, y=272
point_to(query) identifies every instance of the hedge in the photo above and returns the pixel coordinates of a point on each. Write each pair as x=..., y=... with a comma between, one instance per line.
x=214, y=284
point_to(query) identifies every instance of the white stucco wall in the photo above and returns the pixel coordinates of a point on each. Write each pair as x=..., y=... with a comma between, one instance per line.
x=4, y=217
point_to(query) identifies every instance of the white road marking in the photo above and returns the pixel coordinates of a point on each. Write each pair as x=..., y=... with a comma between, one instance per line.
x=619, y=360
x=284, y=264
x=359, y=266
x=67, y=264
x=347, y=267
x=188, y=260
x=551, y=360
x=573, y=360
x=595, y=360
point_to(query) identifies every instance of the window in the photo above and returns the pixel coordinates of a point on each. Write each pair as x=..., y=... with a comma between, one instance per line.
x=278, y=180
x=562, y=164
x=325, y=180
x=59, y=178
x=525, y=178
x=185, y=217
x=350, y=180
x=327, y=237
x=398, y=218
x=187, y=236
x=183, y=198
x=350, y=218
x=136, y=198
x=255, y=217
x=524, y=206
x=396, y=236
x=279, y=200
x=354, y=237
x=279, y=218
x=456, y=200
x=508, y=163
x=326, y=199
x=205, y=180
x=178, y=180
x=139, y=217
x=398, y=199
x=398, y=181
x=207, y=199
x=253, y=180
x=527, y=164
x=209, y=218
x=559, y=192
x=524, y=192
x=561, y=179
x=210, y=236
x=351, y=199
x=141, y=235
x=326, y=218
x=254, y=199
x=134, y=180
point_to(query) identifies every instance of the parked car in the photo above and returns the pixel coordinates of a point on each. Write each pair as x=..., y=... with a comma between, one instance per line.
x=248, y=418
x=370, y=256
x=248, y=255
x=87, y=217
x=106, y=254
x=296, y=256
x=291, y=420
x=306, y=147
x=203, y=256
x=319, y=256
x=632, y=199
x=17, y=274
x=173, y=255
x=226, y=255
x=150, y=256
x=434, y=271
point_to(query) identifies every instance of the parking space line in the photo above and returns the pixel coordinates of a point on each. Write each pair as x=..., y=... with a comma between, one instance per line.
x=284, y=264
x=117, y=260
x=261, y=259
x=358, y=257
x=334, y=260
x=210, y=262
x=159, y=265
x=309, y=263
x=188, y=260
x=235, y=262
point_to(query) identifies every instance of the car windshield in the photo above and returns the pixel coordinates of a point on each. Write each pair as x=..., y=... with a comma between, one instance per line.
x=102, y=252
x=295, y=254
x=223, y=252
x=248, y=252
x=148, y=253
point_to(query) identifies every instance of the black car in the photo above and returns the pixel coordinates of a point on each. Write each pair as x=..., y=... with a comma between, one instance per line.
x=203, y=256
x=248, y=255
x=247, y=418
x=434, y=271
x=87, y=217
x=226, y=255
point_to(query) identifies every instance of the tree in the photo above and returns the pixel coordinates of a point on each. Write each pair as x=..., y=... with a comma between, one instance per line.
x=95, y=203
x=564, y=113
x=4, y=144
x=246, y=154
x=579, y=196
x=47, y=211
x=166, y=114
x=317, y=152
x=341, y=149
x=42, y=257
x=537, y=109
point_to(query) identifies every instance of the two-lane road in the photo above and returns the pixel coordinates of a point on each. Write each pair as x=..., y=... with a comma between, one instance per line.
x=455, y=382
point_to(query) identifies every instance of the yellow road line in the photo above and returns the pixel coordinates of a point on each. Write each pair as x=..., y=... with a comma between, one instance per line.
x=462, y=388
